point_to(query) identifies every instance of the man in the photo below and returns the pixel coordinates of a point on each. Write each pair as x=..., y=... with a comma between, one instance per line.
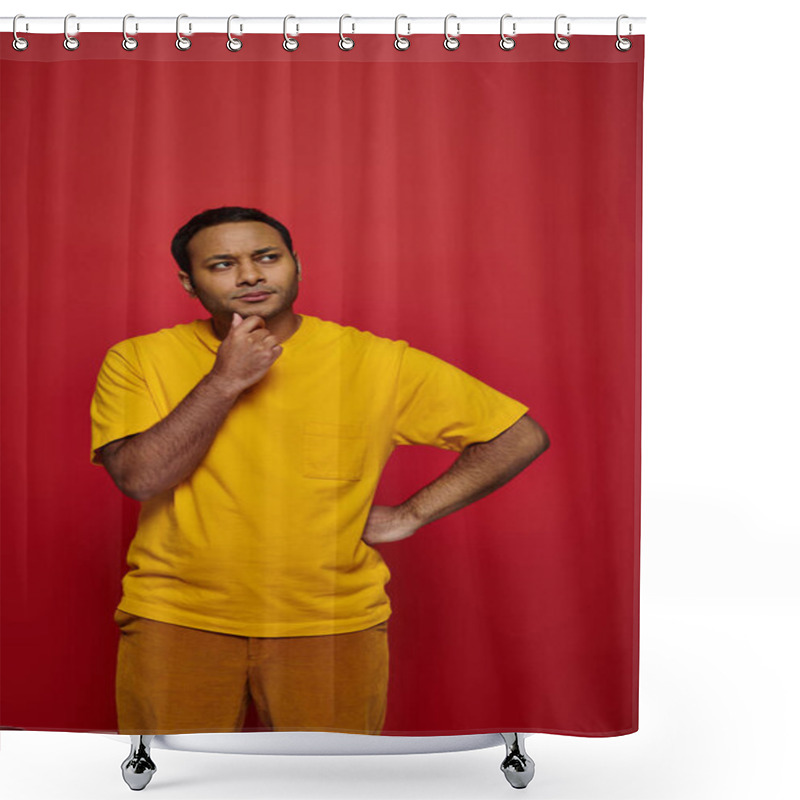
x=255, y=440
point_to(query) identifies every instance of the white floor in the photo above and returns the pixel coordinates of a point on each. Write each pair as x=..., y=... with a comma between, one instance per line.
x=719, y=705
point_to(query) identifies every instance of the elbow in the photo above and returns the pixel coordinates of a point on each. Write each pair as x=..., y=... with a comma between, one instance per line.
x=538, y=440
x=132, y=489
x=544, y=441
x=538, y=447
x=138, y=494
x=127, y=477
x=129, y=485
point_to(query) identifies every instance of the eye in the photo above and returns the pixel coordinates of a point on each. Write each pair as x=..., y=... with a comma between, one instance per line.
x=268, y=256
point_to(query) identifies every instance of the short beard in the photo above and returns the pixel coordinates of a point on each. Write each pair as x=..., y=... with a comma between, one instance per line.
x=286, y=305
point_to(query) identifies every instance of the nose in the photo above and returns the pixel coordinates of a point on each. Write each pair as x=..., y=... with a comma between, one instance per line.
x=247, y=273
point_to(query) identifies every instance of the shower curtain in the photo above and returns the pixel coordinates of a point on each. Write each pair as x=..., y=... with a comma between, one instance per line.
x=482, y=205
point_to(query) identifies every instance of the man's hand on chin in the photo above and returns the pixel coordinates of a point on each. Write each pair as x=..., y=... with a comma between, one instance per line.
x=389, y=524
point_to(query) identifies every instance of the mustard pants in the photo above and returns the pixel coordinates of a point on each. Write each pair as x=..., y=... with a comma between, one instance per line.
x=173, y=679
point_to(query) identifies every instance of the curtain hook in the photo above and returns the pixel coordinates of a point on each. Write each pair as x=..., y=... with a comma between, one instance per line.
x=400, y=42
x=623, y=44
x=561, y=43
x=233, y=44
x=182, y=43
x=506, y=42
x=128, y=42
x=18, y=43
x=289, y=42
x=70, y=42
x=451, y=42
x=345, y=42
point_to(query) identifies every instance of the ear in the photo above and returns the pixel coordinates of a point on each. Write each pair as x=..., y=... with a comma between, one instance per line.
x=299, y=267
x=186, y=281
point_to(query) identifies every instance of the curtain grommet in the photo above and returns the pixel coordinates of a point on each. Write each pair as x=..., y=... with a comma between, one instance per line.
x=451, y=42
x=128, y=42
x=70, y=42
x=506, y=42
x=18, y=42
x=400, y=42
x=345, y=42
x=560, y=42
x=289, y=42
x=182, y=43
x=622, y=44
x=233, y=44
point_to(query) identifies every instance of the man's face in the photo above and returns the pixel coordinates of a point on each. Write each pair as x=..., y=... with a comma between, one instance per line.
x=243, y=267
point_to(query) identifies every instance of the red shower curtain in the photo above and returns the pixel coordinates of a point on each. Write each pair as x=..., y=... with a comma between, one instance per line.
x=483, y=205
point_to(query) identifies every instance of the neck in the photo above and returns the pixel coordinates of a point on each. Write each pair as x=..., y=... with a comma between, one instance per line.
x=282, y=326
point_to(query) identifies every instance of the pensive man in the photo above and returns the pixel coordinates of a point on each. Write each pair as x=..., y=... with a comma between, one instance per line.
x=255, y=440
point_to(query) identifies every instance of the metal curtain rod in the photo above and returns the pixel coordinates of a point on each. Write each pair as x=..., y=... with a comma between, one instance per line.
x=567, y=26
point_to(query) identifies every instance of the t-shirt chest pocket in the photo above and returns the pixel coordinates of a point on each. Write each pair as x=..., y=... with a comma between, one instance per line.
x=334, y=451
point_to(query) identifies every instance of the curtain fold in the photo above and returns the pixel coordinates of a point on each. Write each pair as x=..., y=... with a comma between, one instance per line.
x=482, y=205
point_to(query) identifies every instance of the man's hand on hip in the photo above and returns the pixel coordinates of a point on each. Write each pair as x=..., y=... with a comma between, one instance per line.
x=481, y=468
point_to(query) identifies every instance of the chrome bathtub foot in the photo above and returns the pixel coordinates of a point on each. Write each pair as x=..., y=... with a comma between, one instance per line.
x=138, y=768
x=517, y=766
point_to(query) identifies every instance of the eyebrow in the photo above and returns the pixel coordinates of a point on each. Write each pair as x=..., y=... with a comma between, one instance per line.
x=230, y=255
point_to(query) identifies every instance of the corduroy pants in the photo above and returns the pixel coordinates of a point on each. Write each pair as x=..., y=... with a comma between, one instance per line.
x=172, y=679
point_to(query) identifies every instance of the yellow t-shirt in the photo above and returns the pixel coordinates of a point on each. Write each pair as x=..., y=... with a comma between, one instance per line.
x=264, y=537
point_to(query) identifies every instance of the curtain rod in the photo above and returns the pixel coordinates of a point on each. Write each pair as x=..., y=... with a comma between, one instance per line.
x=407, y=26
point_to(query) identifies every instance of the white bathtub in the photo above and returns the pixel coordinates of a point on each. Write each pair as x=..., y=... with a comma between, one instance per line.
x=318, y=743
x=138, y=768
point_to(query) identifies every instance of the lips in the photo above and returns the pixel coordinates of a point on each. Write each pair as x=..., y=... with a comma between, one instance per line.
x=255, y=297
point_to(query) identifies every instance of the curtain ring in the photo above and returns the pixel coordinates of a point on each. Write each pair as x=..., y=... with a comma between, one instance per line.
x=400, y=42
x=623, y=44
x=182, y=43
x=451, y=42
x=345, y=42
x=506, y=42
x=561, y=43
x=289, y=42
x=128, y=42
x=18, y=43
x=233, y=44
x=70, y=42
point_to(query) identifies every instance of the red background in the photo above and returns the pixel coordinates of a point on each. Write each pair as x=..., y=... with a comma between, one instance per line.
x=483, y=205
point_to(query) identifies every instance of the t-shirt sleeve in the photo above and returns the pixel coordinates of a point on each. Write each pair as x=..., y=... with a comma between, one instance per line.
x=440, y=405
x=122, y=404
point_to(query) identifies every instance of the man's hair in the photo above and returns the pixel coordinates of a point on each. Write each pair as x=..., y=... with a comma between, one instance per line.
x=217, y=216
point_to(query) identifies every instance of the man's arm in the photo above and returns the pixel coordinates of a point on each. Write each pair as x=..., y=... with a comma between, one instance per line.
x=157, y=459
x=478, y=471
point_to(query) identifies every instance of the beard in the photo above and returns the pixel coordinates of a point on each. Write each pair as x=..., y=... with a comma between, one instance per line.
x=280, y=302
